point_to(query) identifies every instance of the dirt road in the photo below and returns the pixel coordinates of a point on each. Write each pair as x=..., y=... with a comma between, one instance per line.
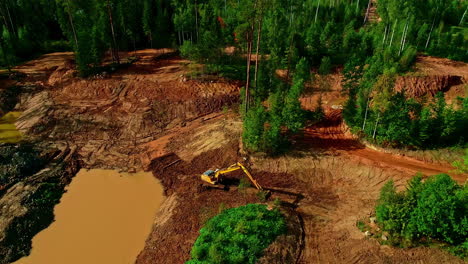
x=332, y=135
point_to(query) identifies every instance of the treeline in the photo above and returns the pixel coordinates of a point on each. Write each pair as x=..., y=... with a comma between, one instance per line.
x=376, y=112
x=28, y=28
x=434, y=209
x=88, y=27
x=321, y=34
x=95, y=26
x=290, y=35
x=432, y=26
x=390, y=119
x=373, y=109
x=266, y=35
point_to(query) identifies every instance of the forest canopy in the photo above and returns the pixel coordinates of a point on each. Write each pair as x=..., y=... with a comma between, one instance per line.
x=373, y=40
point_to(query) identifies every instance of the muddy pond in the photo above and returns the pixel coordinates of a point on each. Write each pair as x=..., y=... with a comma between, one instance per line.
x=104, y=217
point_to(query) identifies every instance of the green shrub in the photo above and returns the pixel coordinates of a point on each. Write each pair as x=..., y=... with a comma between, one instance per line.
x=441, y=210
x=408, y=58
x=237, y=235
x=188, y=50
x=262, y=196
x=462, y=166
x=434, y=209
x=254, y=122
x=391, y=211
x=244, y=184
x=361, y=225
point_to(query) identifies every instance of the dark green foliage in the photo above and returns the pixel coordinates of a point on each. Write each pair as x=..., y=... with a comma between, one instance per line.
x=361, y=226
x=436, y=208
x=238, y=235
x=311, y=29
x=407, y=59
x=27, y=28
x=33, y=27
x=18, y=162
x=391, y=210
x=325, y=66
x=296, y=35
x=40, y=215
x=254, y=123
x=9, y=99
x=396, y=42
x=435, y=27
x=267, y=129
x=441, y=210
x=293, y=115
x=273, y=139
x=405, y=122
x=462, y=166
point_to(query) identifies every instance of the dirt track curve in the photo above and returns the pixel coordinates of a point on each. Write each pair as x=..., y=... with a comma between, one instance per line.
x=332, y=135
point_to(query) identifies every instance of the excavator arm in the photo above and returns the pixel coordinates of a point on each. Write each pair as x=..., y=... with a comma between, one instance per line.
x=257, y=185
x=236, y=167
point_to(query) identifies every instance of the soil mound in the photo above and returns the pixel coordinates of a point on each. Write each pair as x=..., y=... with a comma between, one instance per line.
x=110, y=116
x=417, y=86
x=64, y=73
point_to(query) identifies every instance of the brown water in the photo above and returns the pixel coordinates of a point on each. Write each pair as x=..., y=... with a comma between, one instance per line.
x=103, y=218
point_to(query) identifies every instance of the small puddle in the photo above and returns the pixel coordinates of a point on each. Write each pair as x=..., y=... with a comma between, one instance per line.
x=103, y=218
x=8, y=131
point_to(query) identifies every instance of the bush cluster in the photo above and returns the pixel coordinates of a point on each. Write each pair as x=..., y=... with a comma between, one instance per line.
x=434, y=209
x=237, y=235
x=18, y=162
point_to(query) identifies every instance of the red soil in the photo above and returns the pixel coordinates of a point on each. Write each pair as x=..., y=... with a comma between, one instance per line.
x=333, y=135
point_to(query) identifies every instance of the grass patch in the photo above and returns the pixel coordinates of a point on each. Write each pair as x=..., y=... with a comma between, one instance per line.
x=238, y=235
x=361, y=226
x=8, y=131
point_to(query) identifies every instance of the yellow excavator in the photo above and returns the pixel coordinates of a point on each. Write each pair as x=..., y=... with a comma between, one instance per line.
x=215, y=177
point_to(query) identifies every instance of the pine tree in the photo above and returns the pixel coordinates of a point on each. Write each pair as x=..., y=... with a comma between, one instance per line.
x=254, y=122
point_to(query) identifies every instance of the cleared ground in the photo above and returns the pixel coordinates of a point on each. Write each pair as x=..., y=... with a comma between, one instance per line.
x=110, y=116
x=331, y=189
x=150, y=115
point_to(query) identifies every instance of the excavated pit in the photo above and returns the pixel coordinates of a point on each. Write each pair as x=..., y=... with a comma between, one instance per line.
x=150, y=115
x=111, y=115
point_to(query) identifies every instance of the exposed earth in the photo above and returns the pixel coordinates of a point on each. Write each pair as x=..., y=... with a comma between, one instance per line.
x=151, y=115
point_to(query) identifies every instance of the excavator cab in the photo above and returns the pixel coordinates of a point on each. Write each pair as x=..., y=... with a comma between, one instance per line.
x=209, y=176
